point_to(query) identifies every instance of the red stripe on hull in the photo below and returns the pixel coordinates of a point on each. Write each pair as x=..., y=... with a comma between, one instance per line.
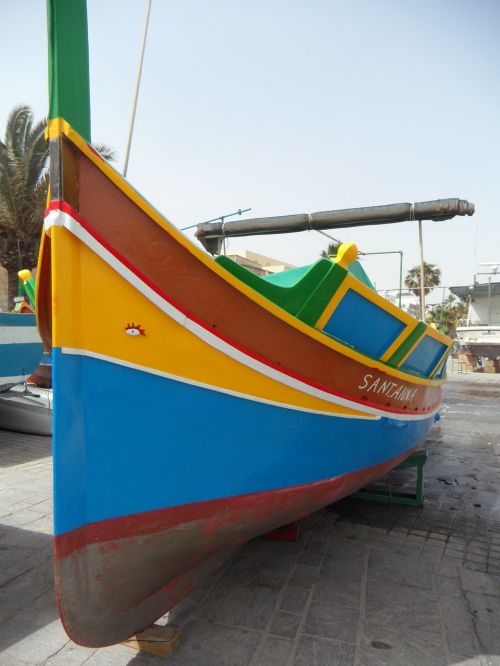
x=116, y=577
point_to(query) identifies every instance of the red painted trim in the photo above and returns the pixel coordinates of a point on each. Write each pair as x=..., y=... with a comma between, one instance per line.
x=65, y=208
x=219, y=513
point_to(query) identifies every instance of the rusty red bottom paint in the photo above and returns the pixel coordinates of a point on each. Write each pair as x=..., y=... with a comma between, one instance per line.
x=118, y=576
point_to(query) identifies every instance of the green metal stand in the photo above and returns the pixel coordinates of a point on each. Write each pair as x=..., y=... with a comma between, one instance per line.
x=418, y=460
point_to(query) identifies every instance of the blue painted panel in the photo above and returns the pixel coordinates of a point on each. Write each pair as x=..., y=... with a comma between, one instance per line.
x=361, y=323
x=19, y=359
x=127, y=441
x=17, y=319
x=425, y=355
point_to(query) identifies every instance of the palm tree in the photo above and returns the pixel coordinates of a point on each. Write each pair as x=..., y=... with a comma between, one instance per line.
x=331, y=250
x=448, y=314
x=432, y=278
x=23, y=191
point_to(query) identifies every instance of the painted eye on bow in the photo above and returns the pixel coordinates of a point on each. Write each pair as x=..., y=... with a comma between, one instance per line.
x=134, y=329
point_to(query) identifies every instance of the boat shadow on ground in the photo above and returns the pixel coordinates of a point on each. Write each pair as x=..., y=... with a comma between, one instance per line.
x=17, y=448
x=27, y=601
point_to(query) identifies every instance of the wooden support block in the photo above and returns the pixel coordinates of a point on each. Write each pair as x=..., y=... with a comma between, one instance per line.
x=289, y=532
x=159, y=640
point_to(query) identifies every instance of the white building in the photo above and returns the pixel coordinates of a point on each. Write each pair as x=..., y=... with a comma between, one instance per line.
x=259, y=263
x=484, y=302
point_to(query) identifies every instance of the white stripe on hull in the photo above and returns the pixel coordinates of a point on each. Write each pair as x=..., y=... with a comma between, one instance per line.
x=14, y=335
x=62, y=219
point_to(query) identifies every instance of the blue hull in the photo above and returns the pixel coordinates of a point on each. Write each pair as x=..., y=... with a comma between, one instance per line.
x=242, y=446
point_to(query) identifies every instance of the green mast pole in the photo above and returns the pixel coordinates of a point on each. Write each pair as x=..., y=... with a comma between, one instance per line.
x=69, y=89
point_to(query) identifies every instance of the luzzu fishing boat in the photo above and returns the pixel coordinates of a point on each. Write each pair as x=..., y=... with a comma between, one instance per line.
x=202, y=406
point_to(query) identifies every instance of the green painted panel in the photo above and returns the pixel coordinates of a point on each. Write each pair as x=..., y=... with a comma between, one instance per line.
x=406, y=345
x=319, y=299
x=357, y=271
x=290, y=298
x=69, y=90
x=290, y=277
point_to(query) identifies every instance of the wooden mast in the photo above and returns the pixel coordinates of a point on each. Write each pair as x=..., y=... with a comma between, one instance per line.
x=69, y=89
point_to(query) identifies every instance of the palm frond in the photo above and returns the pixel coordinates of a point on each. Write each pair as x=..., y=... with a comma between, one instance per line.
x=108, y=153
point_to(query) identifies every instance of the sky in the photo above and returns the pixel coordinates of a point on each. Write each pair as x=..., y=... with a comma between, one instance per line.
x=295, y=107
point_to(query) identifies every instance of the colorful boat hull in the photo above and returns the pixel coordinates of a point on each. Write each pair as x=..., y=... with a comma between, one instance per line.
x=194, y=407
x=20, y=348
x=190, y=413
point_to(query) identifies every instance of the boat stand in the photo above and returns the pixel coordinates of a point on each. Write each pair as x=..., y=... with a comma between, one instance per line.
x=288, y=532
x=157, y=639
x=418, y=460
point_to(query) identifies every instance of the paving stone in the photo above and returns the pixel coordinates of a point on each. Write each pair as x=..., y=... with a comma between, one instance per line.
x=209, y=644
x=305, y=576
x=70, y=655
x=29, y=638
x=285, y=624
x=473, y=581
x=274, y=652
x=386, y=646
x=332, y=621
x=460, y=642
x=340, y=591
x=395, y=568
x=336, y=565
x=475, y=566
x=238, y=605
x=455, y=613
x=448, y=586
x=294, y=599
x=120, y=654
x=486, y=616
x=314, y=651
x=183, y=612
x=390, y=604
x=445, y=567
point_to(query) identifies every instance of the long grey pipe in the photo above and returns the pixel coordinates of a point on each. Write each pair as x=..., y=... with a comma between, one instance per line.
x=209, y=234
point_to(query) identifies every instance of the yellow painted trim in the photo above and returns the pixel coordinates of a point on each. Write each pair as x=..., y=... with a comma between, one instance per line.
x=405, y=333
x=435, y=368
x=434, y=333
x=86, y=320
x=58, y=126
x=346, y=254
x=439, y=337
x=334, y=302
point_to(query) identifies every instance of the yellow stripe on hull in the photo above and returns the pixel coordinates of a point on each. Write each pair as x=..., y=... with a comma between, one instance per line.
x=92, y=314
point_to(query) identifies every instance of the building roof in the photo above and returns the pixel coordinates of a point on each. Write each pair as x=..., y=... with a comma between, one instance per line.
x=476, y=291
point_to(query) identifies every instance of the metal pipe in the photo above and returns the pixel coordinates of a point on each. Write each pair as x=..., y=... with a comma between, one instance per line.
x=440, y=209
x=422, y=278
x=400, y=252
x=400, y=276
x=489, y=299
x=137, y=85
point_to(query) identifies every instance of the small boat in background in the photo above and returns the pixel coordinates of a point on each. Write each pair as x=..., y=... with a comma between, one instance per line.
x=20, y=348
x=26, y=408
x=21, y=351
